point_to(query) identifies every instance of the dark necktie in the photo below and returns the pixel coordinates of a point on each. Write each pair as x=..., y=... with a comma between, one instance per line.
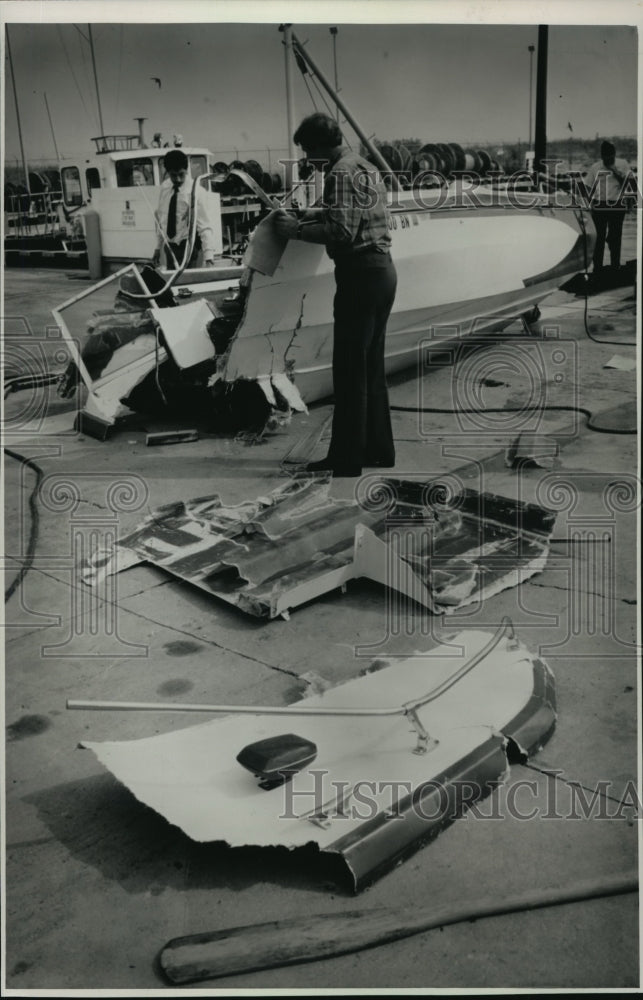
x=171, y=215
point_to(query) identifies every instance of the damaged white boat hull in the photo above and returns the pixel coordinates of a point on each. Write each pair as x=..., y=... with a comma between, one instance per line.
x=461, y=271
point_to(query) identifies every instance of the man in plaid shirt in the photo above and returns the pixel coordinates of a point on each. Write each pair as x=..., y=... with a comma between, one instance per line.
x=353, y=225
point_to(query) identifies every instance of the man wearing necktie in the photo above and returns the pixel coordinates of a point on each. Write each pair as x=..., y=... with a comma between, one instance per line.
x=173, y=216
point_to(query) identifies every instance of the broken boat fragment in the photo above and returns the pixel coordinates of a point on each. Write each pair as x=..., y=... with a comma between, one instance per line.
x=368, y=795
x=275, y=553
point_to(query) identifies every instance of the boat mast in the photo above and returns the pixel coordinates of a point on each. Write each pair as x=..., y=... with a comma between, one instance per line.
x=373, y=150
x=51, y=126
x=100, y=113
x=15, y=98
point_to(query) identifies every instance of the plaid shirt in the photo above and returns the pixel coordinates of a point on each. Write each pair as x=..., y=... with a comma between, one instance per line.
x=355, y=213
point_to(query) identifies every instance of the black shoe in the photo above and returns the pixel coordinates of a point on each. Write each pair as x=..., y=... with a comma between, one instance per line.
x=339, y=471
x=376, y=463
x=324, y=465
x=347, y=472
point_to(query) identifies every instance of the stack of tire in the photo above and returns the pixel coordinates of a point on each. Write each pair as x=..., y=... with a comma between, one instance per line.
x=440, y=158
x=232, y=186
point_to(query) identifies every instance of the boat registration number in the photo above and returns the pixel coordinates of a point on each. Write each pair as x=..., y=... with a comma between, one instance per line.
x=399, y=221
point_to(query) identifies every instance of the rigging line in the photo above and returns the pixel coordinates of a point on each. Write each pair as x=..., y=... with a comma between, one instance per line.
x=310, y=93
x=324, y=99
x=71, y=68
x=120, y=64
x=321, y=94
x=88, y=80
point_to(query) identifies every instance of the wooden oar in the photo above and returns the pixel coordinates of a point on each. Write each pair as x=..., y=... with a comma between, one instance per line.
x=310, y=938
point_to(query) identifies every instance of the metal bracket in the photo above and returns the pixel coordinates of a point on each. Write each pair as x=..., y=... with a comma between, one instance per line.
x=425, y=742
x=321, y=816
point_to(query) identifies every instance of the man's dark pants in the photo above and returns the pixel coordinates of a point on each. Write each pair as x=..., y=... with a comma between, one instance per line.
x=175, y=259
x=365, y=291
x=609, y=228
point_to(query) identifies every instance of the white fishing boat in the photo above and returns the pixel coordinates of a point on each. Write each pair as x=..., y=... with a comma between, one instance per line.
x=117, y=187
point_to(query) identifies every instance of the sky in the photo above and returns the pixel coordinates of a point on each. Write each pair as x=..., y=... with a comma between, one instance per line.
x=222, y=84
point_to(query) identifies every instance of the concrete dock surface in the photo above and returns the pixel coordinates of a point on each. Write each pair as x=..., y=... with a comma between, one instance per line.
x=97, y=883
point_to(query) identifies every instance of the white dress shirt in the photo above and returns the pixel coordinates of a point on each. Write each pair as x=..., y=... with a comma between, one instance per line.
x=607, y=186
x=204, y=229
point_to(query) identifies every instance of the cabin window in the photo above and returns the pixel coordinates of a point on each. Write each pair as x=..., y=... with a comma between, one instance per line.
x=197, y=165
x=72, y=191
x=93, y=178
x=134, y=173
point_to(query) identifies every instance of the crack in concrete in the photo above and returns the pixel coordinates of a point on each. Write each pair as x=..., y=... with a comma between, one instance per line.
x=28, y=487
x=212, y=642
x=550, y=772
x=38, y=628
x=568, y=590
x=152, y=621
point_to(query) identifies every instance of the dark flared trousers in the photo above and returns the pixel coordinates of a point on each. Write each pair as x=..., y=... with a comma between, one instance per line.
x=609, y=228
x=362, y=434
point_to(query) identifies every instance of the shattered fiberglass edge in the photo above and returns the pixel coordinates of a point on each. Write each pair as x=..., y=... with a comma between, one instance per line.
x=192, y=778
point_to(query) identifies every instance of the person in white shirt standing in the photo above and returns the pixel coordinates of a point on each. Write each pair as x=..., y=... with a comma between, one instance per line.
x=173, y=215
x=607, y=187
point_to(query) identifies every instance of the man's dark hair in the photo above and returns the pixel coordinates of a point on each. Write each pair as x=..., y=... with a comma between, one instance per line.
x=175, y=159
x=318, y=130
x=608, y=148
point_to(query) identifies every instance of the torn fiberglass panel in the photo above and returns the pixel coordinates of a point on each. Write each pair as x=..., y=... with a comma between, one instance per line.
x=265, y=340
x=192, y=778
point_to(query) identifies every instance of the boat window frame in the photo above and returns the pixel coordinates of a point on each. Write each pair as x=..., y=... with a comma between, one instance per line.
x=195, y=162
x=71, y=202
x=195, y=169
x=92, y=179
x=94, y=385
x=132, y=163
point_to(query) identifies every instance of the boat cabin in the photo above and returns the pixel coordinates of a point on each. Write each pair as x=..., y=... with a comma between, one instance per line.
x=121, y=183
x=120, y=162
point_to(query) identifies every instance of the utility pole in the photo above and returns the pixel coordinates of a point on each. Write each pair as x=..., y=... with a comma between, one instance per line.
x=100, y=113
x=531, y=88
x=15, y=98
x=540, y=145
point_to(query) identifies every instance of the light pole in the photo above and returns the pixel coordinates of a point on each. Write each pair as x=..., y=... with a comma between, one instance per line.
x=531, y=87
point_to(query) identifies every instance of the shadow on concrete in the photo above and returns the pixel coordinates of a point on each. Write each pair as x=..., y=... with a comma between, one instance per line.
x=103, y=825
